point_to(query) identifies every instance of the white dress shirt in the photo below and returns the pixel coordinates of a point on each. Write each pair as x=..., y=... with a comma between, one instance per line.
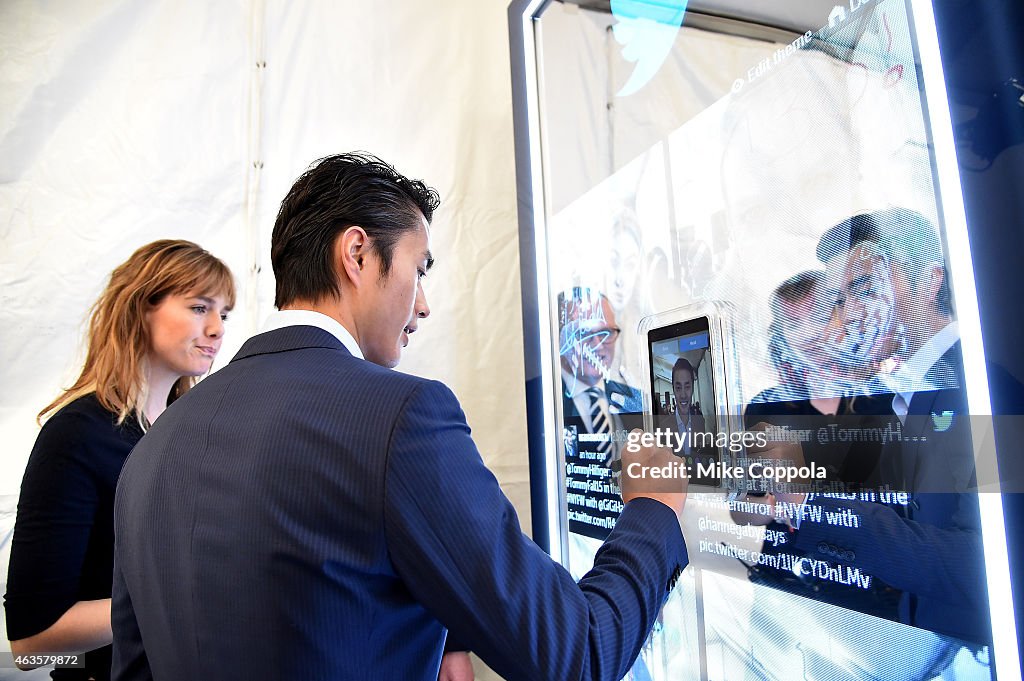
x=910, y=378
x=282, y=318
x=581, y=398
x=684, y=427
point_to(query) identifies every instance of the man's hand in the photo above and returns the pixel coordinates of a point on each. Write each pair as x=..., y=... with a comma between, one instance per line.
x=781, y=452
x=455, y=666
x=644, y=475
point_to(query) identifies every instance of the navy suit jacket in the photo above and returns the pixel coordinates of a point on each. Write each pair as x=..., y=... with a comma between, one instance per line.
x=930, y=549
x=304, y=514
x=621, y=399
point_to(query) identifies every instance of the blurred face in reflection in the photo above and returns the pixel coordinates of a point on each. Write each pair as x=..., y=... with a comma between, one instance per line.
x=863, y=324
x=588, y=338
x=623, y=267
x=807, y=319
x=803, y=363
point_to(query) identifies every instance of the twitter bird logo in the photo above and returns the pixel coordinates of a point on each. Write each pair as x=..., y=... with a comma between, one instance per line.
x=943, y=421
x=646, y=29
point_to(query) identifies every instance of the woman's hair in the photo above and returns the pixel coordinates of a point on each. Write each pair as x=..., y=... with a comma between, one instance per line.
x=118, y=336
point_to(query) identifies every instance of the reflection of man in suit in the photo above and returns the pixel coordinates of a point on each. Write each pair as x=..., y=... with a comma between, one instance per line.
x=930, y=548
x=688, y=417
x=308, y=513
x=587, y=335
x=588, y=332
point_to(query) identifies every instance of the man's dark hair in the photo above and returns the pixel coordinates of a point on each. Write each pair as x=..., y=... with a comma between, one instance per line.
x=335, y=193
x=842, y=237
x=906, y=237
x=683, y=363
x=795, y=289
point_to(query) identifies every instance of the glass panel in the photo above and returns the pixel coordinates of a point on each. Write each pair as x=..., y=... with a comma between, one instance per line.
x=780, y=169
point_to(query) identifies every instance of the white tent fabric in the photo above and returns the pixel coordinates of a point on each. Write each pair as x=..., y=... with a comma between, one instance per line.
x=125, y=121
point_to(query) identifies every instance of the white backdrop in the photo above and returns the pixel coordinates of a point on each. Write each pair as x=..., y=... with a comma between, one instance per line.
x=125, y=121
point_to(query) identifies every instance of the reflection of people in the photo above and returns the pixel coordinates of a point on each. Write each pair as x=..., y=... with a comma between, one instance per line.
x=929, y=548
x=587, y=334
x=330, y=518
x=801, y=308
x=917, y=284
x=623, y=273
x=809, y=398
x=810, y=394
x=156, y=326
x=863, y=339
x=624, y=290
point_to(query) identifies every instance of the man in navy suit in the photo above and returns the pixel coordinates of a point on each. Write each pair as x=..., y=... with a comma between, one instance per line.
x=306, y=513
x=590, y=397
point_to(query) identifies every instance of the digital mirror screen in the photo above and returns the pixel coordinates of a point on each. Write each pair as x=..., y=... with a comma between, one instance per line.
x=784, y=169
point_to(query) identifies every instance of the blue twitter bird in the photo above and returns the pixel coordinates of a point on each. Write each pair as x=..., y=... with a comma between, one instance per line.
x=646, y=29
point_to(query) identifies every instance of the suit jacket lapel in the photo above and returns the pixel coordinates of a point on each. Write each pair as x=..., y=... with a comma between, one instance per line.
x=923, y=411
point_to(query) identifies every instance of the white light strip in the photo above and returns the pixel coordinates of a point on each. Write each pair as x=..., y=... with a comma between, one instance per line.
x=997, y=567
x=552, y=464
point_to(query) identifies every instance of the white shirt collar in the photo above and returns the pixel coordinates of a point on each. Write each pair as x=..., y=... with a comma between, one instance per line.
x=578, y=392
x=575, y=387
x=283, y=318
x=909, y=378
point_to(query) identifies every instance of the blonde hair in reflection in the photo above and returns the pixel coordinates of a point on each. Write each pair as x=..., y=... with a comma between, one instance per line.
x=118, y=335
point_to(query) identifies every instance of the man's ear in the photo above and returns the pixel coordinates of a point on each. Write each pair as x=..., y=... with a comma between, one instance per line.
x=350, y=250
x=936, y=273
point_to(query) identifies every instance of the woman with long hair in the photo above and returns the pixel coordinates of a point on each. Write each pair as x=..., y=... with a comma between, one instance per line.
x=156, y=327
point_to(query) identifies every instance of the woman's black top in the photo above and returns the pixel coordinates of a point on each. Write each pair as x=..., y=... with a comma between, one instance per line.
x=853, y=463
x=63, y=546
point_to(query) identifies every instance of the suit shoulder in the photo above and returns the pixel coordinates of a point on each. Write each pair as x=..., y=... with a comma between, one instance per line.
x=424, y=396
x=405, y=388
x=393, y=376
x=429, y=389
x=618, y=386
